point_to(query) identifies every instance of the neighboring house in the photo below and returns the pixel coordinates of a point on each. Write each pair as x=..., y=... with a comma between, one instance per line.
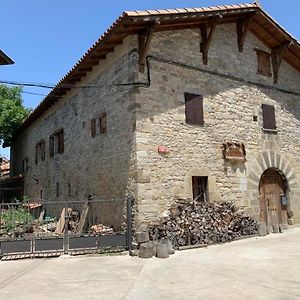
x=4, y=59
x=174, y=105
x=4, y=167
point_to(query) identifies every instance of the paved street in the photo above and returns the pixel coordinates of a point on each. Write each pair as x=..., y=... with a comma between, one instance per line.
x=257, y=268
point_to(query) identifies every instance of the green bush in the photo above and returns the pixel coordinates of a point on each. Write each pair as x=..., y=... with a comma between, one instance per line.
x=15, y=217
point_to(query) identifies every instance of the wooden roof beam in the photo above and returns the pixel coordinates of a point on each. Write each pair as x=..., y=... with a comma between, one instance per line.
x=207, y=31
x=277, y=56
x=144, y=43
x=242, y=28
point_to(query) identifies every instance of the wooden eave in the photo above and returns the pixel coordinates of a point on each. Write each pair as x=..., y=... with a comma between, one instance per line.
x=4, y=59
x=262, y=26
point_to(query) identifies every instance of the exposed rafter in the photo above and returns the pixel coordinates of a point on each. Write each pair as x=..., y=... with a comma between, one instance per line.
x=144, y=43
x=207, y=31
x=277, y=56
x=242, y=28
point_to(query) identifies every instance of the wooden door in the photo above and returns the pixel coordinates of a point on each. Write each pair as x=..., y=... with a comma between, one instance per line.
x=271, y=189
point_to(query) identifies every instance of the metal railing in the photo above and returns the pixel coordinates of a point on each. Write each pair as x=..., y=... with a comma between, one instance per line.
x=64, y=226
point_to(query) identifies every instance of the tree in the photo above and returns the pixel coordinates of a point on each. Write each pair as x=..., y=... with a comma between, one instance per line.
x=12, y=113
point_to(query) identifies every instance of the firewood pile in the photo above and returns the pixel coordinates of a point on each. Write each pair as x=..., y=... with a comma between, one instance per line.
x=198, y=223
x=101, y=229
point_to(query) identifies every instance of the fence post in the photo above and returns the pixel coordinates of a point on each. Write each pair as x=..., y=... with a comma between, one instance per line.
x=66, y=230
x=129, y=223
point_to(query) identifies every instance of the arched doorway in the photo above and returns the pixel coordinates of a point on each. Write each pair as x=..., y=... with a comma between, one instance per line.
x=273, y=189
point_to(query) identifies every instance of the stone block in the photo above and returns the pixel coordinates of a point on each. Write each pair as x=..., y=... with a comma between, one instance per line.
x=170, y=247
x=142, y=237
x=143, y=228
x=146, y=250
x=275, y=228
x=262, y=229
x=162, y=249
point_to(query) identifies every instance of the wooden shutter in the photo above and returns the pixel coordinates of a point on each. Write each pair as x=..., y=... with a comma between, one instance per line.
x=51, y=146
x=269, y=121
x=263, y=63
x=103, y=126
x=93, y=127
x=60, y=141
x=194, y=109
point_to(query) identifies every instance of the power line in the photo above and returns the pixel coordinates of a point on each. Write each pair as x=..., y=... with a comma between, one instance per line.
x=35, y=94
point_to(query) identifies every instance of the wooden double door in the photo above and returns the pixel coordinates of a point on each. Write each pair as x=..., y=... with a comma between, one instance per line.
x=272, y=188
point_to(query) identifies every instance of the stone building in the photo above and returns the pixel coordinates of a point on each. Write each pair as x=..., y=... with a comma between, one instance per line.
x=174, y=105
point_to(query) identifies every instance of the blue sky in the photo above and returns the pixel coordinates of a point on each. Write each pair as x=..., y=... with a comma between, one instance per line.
x=46, y=38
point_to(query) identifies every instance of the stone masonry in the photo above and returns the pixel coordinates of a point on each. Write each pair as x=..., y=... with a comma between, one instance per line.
x=139, y=119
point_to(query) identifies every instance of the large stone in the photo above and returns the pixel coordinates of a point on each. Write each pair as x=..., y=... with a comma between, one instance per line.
x=262, y=229
x=142, y=237
x=170, y=247
x=146, y=250
x=162, y=249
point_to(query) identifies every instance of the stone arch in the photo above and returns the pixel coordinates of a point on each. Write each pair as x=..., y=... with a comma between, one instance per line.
x=266, y=160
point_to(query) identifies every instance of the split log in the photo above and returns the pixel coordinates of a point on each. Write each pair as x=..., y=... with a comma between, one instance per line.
x=83, y=217
x=199, y=223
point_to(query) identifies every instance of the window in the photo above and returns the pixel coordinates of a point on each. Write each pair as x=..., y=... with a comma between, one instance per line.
x=200, y=188
x=269, y=121
x=263, y=63
x=102, y=123
x=194, y=109
x=93, y=127
x=25, y=165
x=40, y=152
x=69, y=190
x=56, y=142
x=57, y=189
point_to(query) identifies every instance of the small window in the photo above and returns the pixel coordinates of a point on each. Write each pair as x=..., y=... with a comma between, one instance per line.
x=60, y=141
x=69, y=190
x=40, y=152
x=57, y=189
x=102, y=123
x=51, y=146
x=263, y=63
x=93, y=127
x=25, y=165
x=56, y=142
x=194, y=109
x=200, y=188
x=269, y=120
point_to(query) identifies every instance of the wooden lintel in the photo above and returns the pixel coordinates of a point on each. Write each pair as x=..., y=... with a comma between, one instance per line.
x=277, y=56
x=144, y=43
x=242, y=28
x=207, y=30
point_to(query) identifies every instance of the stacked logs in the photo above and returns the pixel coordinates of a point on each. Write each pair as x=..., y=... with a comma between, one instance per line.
x=200, y=223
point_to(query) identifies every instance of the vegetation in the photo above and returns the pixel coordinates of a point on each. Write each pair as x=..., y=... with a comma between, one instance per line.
x=14, y=217
x=12, y=112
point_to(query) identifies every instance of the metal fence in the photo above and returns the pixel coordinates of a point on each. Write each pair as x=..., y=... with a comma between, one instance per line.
x=52, y=228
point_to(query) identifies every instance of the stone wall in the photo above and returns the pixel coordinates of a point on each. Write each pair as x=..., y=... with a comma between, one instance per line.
x=101, y=166
x=229, y=108
x=139, y=119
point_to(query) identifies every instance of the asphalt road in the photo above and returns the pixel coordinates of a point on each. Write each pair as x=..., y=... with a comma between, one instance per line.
x=256, y=268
